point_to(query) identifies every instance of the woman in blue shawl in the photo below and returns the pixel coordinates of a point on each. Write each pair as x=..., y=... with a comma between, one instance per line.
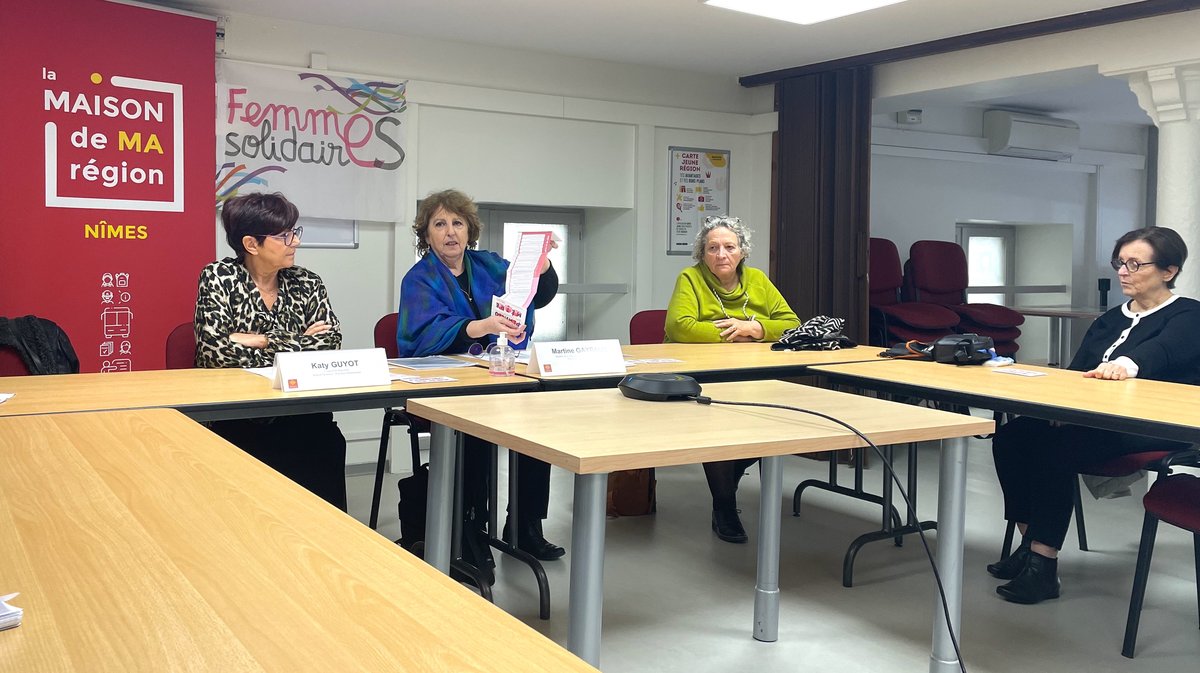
x=445, y=307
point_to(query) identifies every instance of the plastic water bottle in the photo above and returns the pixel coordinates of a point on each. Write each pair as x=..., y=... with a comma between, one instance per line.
x=502, y=358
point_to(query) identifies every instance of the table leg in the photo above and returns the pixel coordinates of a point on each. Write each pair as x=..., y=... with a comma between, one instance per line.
x=439, y=509
x=766, y=589
x=587, y=567
x=1064, y=343
x=1054, y=356
x=952, y=501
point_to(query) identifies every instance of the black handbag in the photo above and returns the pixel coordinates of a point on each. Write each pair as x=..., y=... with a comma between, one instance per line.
x=414, y=491
x=820, y=333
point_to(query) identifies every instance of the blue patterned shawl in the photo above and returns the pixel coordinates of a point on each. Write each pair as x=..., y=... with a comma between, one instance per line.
x=433, y=308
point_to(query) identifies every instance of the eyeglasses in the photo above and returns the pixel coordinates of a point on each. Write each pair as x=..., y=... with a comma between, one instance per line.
x=288, y=237
x=1131, y=265
x=476, y=349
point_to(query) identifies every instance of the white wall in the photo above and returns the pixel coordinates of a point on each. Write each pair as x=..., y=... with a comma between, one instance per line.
x=515, y=127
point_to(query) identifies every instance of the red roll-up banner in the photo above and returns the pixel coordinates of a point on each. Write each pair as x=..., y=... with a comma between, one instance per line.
x=106, y=180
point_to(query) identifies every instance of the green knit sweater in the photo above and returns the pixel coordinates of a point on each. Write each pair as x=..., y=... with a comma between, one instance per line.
x=699, y=300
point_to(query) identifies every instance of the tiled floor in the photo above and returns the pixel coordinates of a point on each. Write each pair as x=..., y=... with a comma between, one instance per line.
x=677, y=599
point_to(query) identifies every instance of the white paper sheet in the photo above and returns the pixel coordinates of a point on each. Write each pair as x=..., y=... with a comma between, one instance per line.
x=1018, y=372
x=10, y=615
x=421, y=379
x=429, y=362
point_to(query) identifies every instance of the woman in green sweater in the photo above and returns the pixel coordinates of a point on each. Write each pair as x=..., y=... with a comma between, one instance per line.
x=721, y=299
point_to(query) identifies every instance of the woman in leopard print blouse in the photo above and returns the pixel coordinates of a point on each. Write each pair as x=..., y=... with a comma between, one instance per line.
x=259, y=303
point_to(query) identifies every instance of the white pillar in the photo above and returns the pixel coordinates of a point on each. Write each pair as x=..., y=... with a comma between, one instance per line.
x=1171, y=96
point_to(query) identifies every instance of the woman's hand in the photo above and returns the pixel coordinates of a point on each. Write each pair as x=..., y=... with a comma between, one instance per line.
x=733, y=329
x=546, y=266
x=495, y=324
x=319, y=327
x=1109, y=371
x=249, y=339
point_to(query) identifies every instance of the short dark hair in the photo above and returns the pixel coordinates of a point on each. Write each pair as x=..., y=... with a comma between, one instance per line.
x=1169, y=248
x=258, y=215
x=455, y=202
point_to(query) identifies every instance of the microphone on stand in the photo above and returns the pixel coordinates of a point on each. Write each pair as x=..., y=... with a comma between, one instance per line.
x=1104, y=285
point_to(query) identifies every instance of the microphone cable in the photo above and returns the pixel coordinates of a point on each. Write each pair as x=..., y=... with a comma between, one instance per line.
x=911, y=509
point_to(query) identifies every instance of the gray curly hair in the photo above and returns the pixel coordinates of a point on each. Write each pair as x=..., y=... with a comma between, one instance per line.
x=733, y=224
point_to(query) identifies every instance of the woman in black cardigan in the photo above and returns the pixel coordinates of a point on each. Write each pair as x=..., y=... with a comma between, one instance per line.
x=1153, y=335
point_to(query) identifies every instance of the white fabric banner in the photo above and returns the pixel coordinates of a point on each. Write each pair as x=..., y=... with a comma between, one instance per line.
x=333, y=144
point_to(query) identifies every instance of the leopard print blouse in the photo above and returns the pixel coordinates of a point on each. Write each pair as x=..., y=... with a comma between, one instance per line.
x=227, y=302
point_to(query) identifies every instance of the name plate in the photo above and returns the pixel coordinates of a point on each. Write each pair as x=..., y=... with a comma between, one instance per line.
x=322, y=370
x=573, y=358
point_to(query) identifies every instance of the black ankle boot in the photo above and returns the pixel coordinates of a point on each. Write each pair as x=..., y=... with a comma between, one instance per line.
x=1012, y=566
x=1037, y=582
x=476, y=551
x=727, y=525
x=533, y=541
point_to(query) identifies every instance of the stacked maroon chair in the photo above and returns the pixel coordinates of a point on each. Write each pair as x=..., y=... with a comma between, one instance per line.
x=936, y=273
x=891, y=319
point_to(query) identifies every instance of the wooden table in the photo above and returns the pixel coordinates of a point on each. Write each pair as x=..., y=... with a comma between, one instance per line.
x=592, y=432
x=1060, y=327
x=214, y=394
x=141, y=542
x=711, y=363
x=1155, y=408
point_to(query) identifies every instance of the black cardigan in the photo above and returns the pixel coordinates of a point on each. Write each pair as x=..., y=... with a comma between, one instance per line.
x=1165, y=344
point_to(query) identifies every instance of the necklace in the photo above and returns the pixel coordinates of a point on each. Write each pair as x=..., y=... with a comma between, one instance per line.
x=465, y=287
x=726, y=311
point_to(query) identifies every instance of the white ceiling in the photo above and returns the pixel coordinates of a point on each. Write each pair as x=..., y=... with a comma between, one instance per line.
x=688, y=35
x=681, y=34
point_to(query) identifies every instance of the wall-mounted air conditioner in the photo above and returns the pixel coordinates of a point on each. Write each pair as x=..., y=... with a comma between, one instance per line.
x=1015, y=134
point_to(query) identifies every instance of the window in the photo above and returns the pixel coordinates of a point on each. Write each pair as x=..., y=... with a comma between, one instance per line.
x=502, y=225
x=990, y=250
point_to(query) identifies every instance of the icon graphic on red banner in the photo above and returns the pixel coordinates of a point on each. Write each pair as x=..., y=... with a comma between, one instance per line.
x=118, y=322
x=120, y=365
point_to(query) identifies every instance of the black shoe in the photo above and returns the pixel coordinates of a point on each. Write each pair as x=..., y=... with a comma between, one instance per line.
x=727, y=526
x=533, y=542
x=1012, y=566
x=1037, y=582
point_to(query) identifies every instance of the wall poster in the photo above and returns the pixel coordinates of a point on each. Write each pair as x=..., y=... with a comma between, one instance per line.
x=699, y=184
